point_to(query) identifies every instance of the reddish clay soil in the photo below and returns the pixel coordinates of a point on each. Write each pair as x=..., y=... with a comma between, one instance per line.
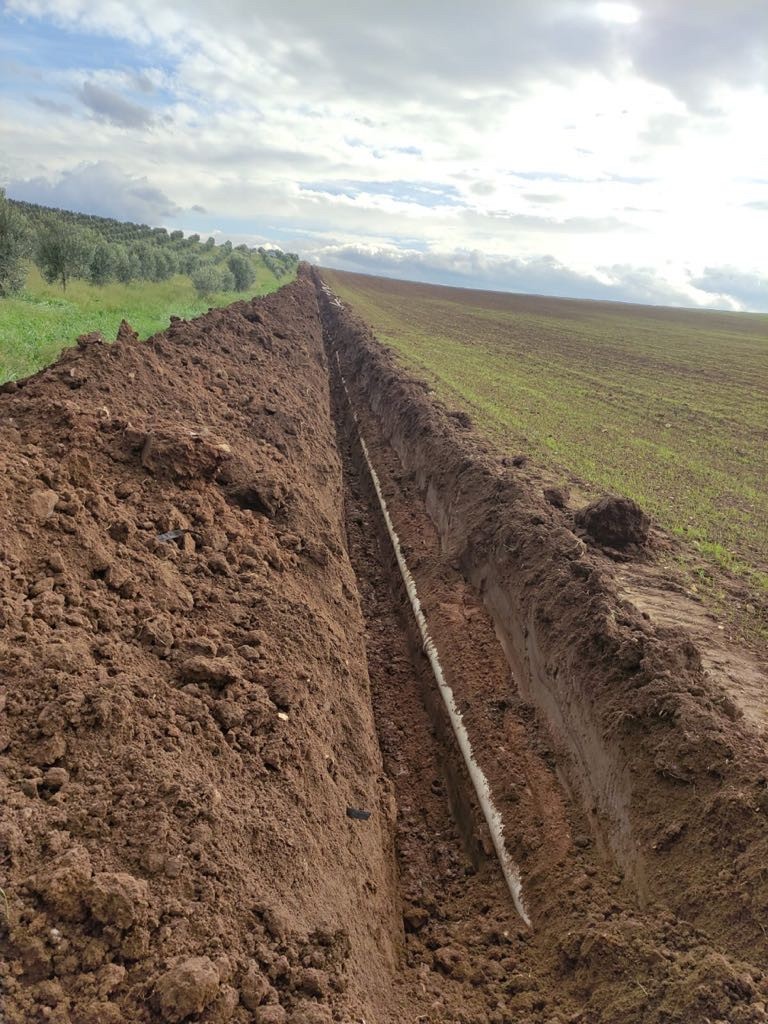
x=230, y=792
x=185, y=698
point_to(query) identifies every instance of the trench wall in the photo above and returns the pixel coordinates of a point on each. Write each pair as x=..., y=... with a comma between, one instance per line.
x=645, y=741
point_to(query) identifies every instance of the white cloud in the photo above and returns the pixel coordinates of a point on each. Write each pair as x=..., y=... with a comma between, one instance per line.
x=597, y=135
x=101, y=188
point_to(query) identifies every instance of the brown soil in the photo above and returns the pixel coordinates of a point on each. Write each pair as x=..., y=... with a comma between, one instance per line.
x=642, y=819
x=230, y=790
x=186, y=716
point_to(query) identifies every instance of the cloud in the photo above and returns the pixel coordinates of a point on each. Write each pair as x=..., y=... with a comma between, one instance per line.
x=541, y=275
x=541, y=197
x=757, y=204
x=101, y=188
x=403, y=49
x=750, y=290
x=664, y=129
x=52, y=106
x=110, y=106
x=565, y=131
x=692, y=48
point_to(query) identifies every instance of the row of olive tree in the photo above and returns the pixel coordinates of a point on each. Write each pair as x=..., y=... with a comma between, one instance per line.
x=14, y=247
x=66, y=245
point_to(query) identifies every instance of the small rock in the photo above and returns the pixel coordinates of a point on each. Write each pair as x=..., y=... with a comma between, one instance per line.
x=29, y=787
x=119, y=899
x=56, y=562
x=110, y=977
x=415, y=918
x=228, y=714
x=218, y=564
x=314, y=982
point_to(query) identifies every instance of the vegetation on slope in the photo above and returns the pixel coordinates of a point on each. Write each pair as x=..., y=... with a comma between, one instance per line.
x=64, y=273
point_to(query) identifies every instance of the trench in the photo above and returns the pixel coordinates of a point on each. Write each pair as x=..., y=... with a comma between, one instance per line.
x=451, y=888
x=466, y=946
x=467, y=954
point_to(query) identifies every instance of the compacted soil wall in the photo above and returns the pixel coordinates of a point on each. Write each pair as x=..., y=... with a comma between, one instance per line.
x=671, y=778
x=186, y=724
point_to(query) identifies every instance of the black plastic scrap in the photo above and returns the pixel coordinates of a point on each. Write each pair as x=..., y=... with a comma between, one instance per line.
x=352, y=812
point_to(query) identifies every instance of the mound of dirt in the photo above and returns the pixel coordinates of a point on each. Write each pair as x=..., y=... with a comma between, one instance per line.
x=185, y=714
x=614, y=522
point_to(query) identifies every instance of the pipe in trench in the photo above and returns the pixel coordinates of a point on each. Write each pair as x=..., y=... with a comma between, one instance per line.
x=493, y=819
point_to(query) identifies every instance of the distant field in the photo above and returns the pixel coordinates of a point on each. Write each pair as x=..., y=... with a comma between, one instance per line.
x=36, y=324
x=667, y=406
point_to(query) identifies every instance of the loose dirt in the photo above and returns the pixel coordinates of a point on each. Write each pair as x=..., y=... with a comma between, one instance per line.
x=230, y=791
x=186, y=716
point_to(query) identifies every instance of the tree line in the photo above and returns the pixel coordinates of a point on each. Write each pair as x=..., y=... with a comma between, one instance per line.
x=66, y=245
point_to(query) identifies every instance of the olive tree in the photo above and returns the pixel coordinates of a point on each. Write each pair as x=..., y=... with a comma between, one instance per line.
x=62, y=250
x=14, y=247
x=242, y=271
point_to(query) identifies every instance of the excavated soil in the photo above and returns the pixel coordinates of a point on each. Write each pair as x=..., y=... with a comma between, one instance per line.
x=230, y=789
x=186, y=715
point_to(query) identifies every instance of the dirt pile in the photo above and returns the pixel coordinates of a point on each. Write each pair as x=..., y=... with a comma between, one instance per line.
x=664, y=781
x=185, y=714
x=614, y=522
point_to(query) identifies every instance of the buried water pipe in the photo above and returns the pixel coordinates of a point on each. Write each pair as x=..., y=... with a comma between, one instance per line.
x=493, y=819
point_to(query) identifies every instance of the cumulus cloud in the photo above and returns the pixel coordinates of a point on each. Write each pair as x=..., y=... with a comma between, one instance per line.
x=691, y=48
x=612, y=137
x=101, y=188
x=542, y=275
x=110, y=106
x=401, y=46
x=750, y=290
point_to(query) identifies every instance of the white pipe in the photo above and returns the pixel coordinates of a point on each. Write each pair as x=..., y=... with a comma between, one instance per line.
x=491, y=814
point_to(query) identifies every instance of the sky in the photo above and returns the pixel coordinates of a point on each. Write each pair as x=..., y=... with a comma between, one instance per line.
x=603, y=150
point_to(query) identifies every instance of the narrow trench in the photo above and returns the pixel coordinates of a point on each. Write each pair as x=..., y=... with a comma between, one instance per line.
x=467, y=956
x=595, y=952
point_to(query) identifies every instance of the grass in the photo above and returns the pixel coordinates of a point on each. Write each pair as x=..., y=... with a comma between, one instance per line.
x=36, y=324
x=667, y=406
